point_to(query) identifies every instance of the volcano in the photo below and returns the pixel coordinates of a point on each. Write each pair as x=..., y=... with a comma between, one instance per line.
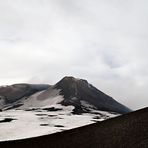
x=68, y=91
x=32, y=110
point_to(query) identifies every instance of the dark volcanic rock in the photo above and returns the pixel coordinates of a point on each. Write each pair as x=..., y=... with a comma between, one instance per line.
x=41, y=114
x=96, y=117
x=126, y=131
x=44, y=124
x=52, y=109
x=7, y=120
x=77, y=90
x=58, y=126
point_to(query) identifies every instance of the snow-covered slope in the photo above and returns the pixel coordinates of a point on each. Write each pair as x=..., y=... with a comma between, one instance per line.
x=69, y=91
x=76, y=92
x=10, y=95
x=33, y=110
x=20, y=124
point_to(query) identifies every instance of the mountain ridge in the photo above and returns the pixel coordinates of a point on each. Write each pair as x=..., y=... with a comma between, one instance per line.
x=80, y=89
x=76, y=92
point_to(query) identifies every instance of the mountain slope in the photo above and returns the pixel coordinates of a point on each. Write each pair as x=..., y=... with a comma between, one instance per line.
x=77, y=92
x=11, y=94
x=69, y=91
x=47, y=109
x=126, y=131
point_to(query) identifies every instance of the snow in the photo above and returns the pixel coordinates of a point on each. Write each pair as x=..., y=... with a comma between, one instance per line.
x=32, y=119
x=41, y=122
x=44, y=98
x=86, y=104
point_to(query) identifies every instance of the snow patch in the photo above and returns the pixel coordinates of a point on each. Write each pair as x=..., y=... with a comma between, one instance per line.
x=87, y=105
x=41, y=99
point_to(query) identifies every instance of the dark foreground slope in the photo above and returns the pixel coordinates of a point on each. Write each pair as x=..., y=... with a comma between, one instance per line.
x=126, y=131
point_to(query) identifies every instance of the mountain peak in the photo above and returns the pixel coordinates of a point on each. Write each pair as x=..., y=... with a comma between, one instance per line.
x=76, y=91
x=71, y=79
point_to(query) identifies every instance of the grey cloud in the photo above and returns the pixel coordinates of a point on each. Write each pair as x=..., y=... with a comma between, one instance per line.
x=101, y=40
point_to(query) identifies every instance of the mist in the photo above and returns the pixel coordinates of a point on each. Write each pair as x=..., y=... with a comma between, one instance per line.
x=102, y=41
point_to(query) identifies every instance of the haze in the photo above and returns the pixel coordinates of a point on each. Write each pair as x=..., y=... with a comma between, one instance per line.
x=102, y=41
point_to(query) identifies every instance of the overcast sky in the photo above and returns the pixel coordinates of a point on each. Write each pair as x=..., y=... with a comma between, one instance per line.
x=103, y=41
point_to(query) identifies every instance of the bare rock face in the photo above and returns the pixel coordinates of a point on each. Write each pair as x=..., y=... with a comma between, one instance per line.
x=80, y=93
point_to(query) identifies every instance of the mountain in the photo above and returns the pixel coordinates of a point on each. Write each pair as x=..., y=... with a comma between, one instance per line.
x=81, y=94
x=126, y=131
x=68, y=91
x=32, y=110
x=13, y=93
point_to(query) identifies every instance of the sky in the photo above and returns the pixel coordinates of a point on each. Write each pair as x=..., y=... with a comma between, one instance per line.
x=103, y=41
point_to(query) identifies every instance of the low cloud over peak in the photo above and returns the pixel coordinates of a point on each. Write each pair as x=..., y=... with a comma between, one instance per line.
x=102, y=41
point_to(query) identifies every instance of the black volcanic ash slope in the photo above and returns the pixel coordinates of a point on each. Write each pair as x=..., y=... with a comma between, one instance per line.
x=77, y=90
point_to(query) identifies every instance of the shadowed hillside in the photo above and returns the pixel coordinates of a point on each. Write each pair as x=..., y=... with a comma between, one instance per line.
x=126, y=131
